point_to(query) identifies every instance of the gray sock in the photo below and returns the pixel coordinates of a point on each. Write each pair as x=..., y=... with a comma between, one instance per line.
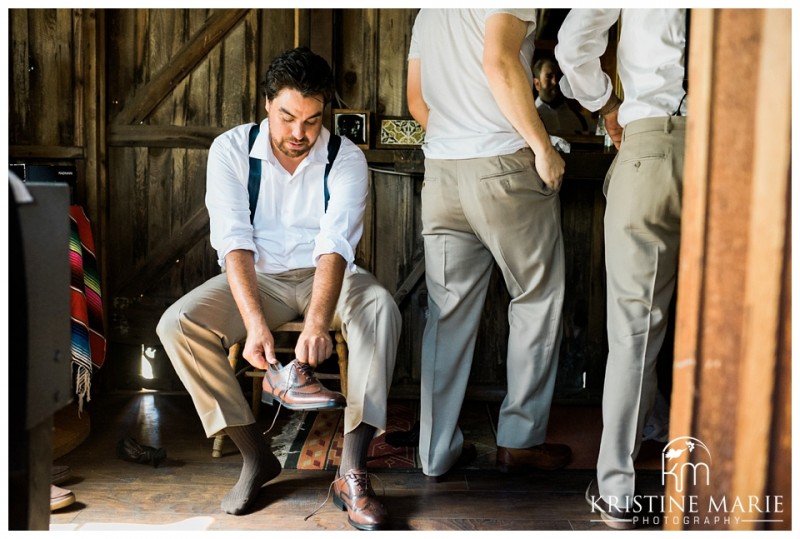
x=259, y=466
x=356, y=446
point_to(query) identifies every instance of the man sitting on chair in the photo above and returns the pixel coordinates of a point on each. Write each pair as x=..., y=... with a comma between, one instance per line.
x=292, y=254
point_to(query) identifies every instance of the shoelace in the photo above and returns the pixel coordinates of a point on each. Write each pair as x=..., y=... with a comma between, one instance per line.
x=274, y=419
x=362, y=480
x=305, y=369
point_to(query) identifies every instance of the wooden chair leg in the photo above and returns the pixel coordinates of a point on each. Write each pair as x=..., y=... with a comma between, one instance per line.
x=341, y=352
x=216, y=451
x=255, y=402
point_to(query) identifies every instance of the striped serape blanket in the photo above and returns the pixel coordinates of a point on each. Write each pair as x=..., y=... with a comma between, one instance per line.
x=88, y=340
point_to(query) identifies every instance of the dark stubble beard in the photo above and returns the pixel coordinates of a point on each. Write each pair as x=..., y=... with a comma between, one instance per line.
x=282, y=147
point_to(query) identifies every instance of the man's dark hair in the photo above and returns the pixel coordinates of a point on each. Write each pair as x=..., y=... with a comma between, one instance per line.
x=302, y=70
x=537, y=67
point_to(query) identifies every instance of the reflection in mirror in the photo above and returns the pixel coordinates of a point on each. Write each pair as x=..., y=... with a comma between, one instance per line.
x=562, y=117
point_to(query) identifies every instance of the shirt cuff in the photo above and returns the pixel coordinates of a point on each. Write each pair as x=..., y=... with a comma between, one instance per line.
x=611, y=105
x=340, y=246
x=236, y=245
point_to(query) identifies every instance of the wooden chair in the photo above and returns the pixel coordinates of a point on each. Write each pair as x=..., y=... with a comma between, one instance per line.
x=294, y=327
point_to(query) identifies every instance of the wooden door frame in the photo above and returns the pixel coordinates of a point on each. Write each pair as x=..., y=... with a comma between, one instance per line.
x=758, y=425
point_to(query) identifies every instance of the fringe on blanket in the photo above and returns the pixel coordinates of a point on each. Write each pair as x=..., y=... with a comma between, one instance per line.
x=88, y=341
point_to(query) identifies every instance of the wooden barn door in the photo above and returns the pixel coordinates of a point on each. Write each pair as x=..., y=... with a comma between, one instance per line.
x=176, y=79
x=732, y=373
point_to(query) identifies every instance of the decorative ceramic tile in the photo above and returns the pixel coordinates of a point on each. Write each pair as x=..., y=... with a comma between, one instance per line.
x=401, y=132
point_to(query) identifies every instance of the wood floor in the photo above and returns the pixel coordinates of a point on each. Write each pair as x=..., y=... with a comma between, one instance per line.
x=190, y=483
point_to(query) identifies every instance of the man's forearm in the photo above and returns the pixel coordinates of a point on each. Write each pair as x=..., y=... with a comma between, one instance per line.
x=325, y=291
x=507, y=80
x=515, y=100
x=241, y=272
x=416, y=104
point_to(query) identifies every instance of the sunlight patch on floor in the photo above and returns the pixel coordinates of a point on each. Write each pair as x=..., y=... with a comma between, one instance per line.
x=194, y=523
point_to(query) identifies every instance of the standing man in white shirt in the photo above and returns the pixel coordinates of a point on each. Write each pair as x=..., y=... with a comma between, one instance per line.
x=490, y=195
x=642, y=220
x=293, y=254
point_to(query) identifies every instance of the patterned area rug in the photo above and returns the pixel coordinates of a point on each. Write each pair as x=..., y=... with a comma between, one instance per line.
x=318, y=443
x=313, y=440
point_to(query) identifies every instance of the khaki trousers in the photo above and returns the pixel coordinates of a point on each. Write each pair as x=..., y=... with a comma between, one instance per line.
x=477, y=212
x=197, y=330
x=642, y=236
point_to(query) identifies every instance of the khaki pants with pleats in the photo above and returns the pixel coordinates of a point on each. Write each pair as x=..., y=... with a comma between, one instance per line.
x=197, y=330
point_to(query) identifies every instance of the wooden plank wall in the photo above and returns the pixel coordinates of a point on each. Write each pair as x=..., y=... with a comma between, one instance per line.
x=733, y=344
x=139, y=94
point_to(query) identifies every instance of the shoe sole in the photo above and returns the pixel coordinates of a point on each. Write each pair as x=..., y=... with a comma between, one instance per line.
x=269, y=398
x=338, y=502
x=62, y=502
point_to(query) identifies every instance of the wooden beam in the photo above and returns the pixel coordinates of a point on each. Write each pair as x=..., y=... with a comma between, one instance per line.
x=691, y=270
x=733, y=288
x=162, y=259
x=410, y=282
x=91, y=131
x=46, y=152
x=188, y=57
x=163, y=136
x=764, y=284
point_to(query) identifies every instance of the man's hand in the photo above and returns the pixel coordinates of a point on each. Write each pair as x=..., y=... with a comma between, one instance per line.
x=613, y=128
x=313, y=346
x=550, y=167
x=259, y=349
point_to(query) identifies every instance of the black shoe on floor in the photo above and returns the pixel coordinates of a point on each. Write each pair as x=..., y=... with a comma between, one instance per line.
x=130, y=450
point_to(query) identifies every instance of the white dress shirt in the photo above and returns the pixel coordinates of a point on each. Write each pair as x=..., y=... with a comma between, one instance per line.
x=650, y=60
x=291, y=228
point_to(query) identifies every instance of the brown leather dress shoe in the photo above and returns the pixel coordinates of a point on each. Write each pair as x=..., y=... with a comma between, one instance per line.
x=538, y=457
x=352, y=493
x=296, y=388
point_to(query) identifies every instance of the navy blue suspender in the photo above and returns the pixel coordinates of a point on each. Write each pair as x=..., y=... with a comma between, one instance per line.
x=254, y=176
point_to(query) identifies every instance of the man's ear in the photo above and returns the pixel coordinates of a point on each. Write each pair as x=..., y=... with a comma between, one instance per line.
x=536, y=84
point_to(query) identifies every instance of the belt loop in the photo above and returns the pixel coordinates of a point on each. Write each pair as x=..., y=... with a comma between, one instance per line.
x=668, y=125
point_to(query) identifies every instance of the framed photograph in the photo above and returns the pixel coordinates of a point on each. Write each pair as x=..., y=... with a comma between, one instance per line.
x=400, y=133
x=353, y=124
